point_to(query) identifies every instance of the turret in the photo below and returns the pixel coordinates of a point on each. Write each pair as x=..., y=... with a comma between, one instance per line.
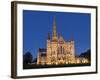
x=72, y=47
x=48, y=41
x=48, y=36
x=48, y=60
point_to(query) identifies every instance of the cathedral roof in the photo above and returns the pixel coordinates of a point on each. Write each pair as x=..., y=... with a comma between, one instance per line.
x=61, y=40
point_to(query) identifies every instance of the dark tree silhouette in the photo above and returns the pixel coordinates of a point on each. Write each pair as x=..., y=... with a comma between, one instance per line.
x=86, y=54
x=27, y=58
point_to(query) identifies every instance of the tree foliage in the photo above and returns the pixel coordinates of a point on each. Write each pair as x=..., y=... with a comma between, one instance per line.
x=86, y=54
x=27, y=58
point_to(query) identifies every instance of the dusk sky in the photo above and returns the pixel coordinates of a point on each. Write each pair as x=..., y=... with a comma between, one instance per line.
x=37, y=24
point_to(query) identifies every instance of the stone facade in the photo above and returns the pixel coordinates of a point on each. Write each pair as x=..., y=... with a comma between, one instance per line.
x=57, y=51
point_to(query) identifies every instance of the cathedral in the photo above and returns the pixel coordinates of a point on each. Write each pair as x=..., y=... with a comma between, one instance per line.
x=57, y=50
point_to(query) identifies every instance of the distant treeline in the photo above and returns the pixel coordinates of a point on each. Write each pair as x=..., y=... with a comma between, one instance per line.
x=28, y=58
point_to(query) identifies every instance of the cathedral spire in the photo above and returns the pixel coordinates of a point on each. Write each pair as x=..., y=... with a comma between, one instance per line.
x=54, y=35
x=54, y=28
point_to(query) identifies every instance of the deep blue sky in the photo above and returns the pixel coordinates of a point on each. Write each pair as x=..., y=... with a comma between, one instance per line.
x=37, y=24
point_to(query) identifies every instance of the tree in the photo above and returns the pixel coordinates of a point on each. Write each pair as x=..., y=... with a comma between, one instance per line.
x=27, y=58
x=86, y=54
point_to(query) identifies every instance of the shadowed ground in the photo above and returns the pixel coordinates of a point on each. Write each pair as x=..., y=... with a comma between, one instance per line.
x=34, y=66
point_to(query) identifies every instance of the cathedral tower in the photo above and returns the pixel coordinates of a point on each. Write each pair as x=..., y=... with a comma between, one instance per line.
x=48, y=57
x=72, y=50
x=54, y=44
